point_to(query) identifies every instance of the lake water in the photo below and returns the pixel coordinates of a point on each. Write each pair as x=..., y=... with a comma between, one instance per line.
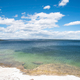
x=37, y=52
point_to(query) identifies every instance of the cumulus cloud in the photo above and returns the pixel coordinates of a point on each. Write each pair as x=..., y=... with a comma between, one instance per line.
x=43, y=20
x=63, y=2
x=47, y=7
x=12, y=24
x=72, y=23
x=16, y=15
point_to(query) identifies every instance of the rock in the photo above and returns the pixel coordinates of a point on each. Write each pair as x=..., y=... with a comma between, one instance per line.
x=38, y=63
x=31, y=79
x=23, y=63
x=20, y=67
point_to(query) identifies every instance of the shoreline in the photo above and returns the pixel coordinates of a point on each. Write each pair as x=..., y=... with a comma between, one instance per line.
x=52, y=69
x=7, y=73
x=47, y=69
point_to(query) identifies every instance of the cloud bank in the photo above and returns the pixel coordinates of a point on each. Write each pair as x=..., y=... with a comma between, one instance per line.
x=35, y=26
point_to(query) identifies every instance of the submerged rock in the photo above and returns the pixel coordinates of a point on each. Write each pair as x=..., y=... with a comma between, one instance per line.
x=55, y=69
x=38, y=63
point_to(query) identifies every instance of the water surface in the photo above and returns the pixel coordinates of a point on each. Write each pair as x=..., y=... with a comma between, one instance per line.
x=37, y=52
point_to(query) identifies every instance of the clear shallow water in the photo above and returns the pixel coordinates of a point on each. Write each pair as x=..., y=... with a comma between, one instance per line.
x=38, y=52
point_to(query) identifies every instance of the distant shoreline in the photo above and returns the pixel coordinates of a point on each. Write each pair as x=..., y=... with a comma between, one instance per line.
x=2, y=40
x=39, y=40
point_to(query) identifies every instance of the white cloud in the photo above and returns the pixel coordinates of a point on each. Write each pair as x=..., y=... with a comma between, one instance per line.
x=16, y=15
x=17, y=29
x=23, y=13
x=43, y=20
x=0, y=9
x=47, y=7
x=24, y=17
x=63, y=2
x=43, y=34
x=35, y=27
x=72, y=23
x=6, y=21
x=12, y=24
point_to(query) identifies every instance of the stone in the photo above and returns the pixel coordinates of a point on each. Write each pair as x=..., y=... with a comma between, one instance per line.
x=38, y=63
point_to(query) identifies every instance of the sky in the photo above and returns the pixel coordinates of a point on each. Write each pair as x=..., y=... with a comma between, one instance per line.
x=40, y=19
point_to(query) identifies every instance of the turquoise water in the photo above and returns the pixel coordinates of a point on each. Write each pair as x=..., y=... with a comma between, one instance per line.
x=37, y=52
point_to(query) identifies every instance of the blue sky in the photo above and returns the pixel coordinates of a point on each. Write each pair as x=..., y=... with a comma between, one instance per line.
x=38, y=19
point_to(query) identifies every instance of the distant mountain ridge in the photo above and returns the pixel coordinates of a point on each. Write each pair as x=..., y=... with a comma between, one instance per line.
x=1, y=40
x=35, y=39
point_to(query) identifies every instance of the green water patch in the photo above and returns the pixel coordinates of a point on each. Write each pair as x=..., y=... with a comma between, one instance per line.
x=6, y=53
x=7, y=58
x=33, y=60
